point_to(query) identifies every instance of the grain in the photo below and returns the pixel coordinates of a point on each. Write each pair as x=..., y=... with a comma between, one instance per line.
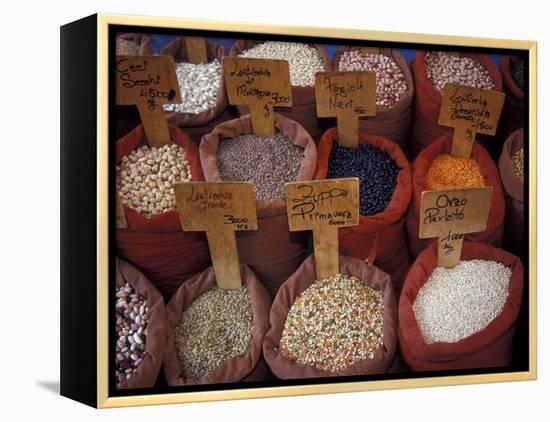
x=518, y=163
x=126, y=47
x=448, y=172
x=517, y=72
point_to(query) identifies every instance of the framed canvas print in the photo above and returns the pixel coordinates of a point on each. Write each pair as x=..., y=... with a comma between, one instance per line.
x=259, y=210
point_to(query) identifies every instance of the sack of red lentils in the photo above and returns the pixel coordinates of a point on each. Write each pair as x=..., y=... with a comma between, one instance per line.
x=215, y=335
x=154, y=240
x=141, y=330
x=304, y=61
x=131, y=44
x=511, y=166
x=395, y=92
x=429, y=70
x=435, y=168
x=305, y=338
x=384, y=230
x=202, y=85
x=232, y=152
x=481, y=329
x=512, y=117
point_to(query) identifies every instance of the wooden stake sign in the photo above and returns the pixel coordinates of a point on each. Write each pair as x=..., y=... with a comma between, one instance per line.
x=119, y=279
x=148, y=82
x=196, y=50
x=219, y=209
x=469, y=111
x=369, y=50
x=449, y=215
x=323, y=206
x=261, y=85
x=120, y=215
x=346, y=96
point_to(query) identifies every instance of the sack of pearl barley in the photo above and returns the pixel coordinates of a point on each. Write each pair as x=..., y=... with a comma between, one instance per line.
x=231, y=153
x=368, y=349
x=427, y=103
x=154, y=240
x=395, y=92
x=429, y=341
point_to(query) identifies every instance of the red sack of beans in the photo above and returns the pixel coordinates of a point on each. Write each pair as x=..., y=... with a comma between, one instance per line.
x=490, y=347
x=495, y=222
x=158, y=246
x=512, y=117
x=383, y=231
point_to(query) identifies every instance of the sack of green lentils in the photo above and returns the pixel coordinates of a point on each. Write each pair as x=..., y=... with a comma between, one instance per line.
x=395, y=90
x=202, y=86
x=383, y=207
x=215, y=335
x=512, y=117
x=480, y=334
x=141, y=330
x=131, y=44
x=431, y=70
x=305, y=338
x=232, y=152
x=154, y=240
x=435, y=168
x=511, y=166
x=304, y=61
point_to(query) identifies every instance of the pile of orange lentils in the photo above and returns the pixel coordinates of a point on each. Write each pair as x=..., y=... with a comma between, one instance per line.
x=448, y=172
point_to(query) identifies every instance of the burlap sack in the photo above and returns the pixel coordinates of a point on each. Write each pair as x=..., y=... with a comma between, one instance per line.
x=272, y=251
x=393, y=122
x=157, y=330
x=304, y=108
x=246, y=367
x=490, y=347
x=300, y=281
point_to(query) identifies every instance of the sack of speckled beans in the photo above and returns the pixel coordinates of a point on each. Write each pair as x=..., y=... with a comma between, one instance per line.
x=339, y=326
x=512, y=117
x=304, y=60
x=215, y=335
x=461, y=317
x=431, y=71
x=140, y=330
x=154, y=240
x=394, y=90
x=231, y=152
x=435, y=168
x=511, y=166
x=385, y=193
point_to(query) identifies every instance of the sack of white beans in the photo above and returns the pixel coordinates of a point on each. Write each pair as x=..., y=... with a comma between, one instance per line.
x=394, y=90
x=304, y=61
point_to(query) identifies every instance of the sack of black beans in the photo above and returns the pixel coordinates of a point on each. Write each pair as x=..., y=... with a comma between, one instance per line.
x=511, y=166
x=435, y=168
x=394, y=92
x=304, y=61
x=343, y=325
x=154, y=240
x=202, y=85
x=462, y=317
x=385, y=188
x=512, y=117
x=141, y=330
x=216, y=335
x=132, y=44
x=431, y=70
x=232, y=153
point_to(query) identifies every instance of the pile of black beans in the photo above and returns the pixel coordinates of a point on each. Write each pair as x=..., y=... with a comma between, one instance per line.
x=376, y=170
x=516, y=69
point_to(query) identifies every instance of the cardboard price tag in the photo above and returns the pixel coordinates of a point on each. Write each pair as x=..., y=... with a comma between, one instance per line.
x=219, y=209
x=261, y=85
x=323, y=206
x=148, y=82
x=469, y=111
x=119, y=279
x=120, y=215
x=346, y=96
x=449, y=215
x=196, y=50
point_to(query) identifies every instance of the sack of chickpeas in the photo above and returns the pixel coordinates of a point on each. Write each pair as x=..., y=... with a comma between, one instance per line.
x=131, y=44
x=431, y=71
x=511, y=166
x=462, y=317
x=436, y=169
x=513, y=76
x=141, y=330
x=154, y=240
x=216, y=335
x=231, y=152
x=343, y=325
x=201, y=85
x=394, y=90
x=385, y=194
x=304, y=61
